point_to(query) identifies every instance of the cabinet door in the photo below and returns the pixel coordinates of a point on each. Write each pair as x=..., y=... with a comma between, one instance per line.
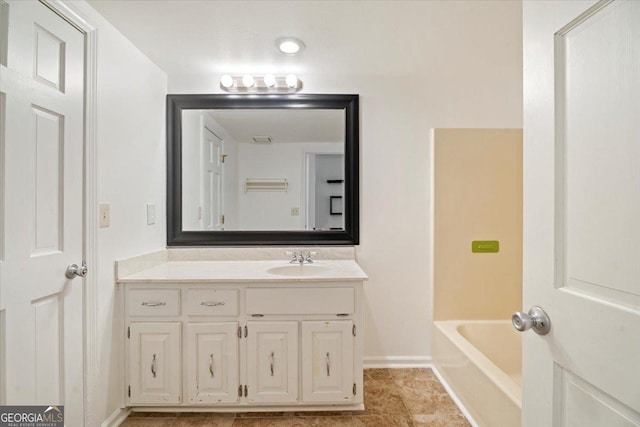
x=272, y=358
x=327, y=361
x=212, y=362
x=155, y=363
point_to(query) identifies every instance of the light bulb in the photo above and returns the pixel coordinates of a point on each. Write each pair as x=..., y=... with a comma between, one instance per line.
x=291, y=80
x=270, y=80
x=226, y=81
x=248, y=80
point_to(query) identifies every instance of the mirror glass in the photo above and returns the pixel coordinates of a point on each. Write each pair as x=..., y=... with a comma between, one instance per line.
x=252, y=169
x=263, y=169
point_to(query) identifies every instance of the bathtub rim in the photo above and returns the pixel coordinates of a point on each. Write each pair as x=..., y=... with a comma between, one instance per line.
x=449, y=329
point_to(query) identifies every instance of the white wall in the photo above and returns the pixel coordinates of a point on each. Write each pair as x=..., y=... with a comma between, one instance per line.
x=476, y=91
x=271, y=210
x=131, y=94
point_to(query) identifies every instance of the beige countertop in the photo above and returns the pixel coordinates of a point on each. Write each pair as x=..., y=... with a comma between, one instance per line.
x=248, y=271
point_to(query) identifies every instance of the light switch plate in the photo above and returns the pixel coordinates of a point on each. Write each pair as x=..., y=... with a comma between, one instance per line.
x=104, y=215
x=151, y=214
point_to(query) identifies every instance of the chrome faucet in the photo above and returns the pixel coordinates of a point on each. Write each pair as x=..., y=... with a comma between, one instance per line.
x=301, y=257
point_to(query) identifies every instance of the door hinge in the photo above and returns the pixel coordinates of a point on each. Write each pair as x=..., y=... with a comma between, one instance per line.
x=353, y=330
x=129, y=332
x=239, y=331
x=129, y=392
x=222, y=219
x=354, y=389
x=240, y=390
x=245, y=391
x=222, y=157
x=246, y=331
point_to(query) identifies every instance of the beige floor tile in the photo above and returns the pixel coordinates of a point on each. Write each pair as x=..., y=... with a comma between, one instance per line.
x=203, y=422
x=271, y=422
x=440, y=420
x=377, y=374
x=416, y=374
x=148, y=422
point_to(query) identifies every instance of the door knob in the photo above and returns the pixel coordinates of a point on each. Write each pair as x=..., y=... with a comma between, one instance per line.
x=73, y=270
x=536, y=319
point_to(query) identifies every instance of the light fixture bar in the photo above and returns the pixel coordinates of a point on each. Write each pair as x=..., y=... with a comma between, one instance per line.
x=283, y=84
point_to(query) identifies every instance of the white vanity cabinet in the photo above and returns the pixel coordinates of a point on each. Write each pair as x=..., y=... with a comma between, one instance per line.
x=154, y=363
x=243, y=346
x=272, y=361
x=212, y=362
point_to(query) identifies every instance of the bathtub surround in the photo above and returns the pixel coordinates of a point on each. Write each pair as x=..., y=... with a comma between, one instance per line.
x=477, y=196
x=478, y=209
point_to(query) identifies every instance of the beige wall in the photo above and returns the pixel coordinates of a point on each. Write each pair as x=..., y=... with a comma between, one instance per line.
x=478, y=196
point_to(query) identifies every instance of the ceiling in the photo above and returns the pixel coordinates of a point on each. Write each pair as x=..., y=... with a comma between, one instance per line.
x=373, y=38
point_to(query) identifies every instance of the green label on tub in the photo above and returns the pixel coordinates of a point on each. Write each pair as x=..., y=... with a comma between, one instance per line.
x=485, y=246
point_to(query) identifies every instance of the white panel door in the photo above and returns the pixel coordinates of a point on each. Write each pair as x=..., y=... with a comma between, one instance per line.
x=154, y=363
x=42, y=88
x=272, y=361
x=211, y=180
x=327, y=361
x=582, y=212
x=212, y=362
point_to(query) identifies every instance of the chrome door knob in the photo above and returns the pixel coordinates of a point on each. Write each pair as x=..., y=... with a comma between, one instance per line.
x=536, y=319
x=74, y=271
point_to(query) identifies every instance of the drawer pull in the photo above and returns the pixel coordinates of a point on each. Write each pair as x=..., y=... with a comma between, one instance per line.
x=153, y=303
x=272, y=361
x=328, y=364
x=153, y=365
x=211, y=371
x=212, y=303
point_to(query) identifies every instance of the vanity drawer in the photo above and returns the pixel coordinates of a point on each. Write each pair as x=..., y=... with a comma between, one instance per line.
x=212, y=302
x=154, y=302
x=300, y=301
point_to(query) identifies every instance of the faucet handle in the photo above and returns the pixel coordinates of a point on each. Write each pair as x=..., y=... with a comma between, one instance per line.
x=308, y=256
x=294, y=256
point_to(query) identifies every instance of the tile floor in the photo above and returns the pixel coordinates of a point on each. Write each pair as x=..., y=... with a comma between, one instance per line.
x=392, y=397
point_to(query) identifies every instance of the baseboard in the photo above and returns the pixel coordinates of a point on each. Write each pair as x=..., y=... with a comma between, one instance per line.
x=397, y=362
x=117, y=418
x=454, y=398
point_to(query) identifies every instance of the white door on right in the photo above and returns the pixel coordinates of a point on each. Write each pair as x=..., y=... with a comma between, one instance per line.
x=582, y=212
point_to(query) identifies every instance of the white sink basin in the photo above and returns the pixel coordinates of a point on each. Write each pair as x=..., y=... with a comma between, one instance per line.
x=299, y=270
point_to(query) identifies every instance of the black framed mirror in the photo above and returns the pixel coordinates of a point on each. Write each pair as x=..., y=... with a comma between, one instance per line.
x=262, y=170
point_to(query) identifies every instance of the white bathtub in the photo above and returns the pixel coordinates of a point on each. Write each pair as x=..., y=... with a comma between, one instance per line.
x=481, y=361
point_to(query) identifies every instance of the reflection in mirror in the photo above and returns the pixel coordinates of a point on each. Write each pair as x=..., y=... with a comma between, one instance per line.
x=248, y=169
x=262, y=169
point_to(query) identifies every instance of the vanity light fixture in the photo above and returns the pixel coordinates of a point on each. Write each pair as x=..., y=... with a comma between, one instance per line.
x=260, y=84
x=269, y=80
x=226, y=81
x=289, y=45
x=248, y=80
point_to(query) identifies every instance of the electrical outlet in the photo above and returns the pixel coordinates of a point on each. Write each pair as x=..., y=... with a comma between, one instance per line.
x=295, y=211
x=104, y=215
x=151, y=214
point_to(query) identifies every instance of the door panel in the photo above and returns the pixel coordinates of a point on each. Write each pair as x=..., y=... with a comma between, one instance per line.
x=212, y=179
x=272, y=361
x=155, y=363
x=327, y=361
x=212, y=362
x=581, y=222
x=42, y=162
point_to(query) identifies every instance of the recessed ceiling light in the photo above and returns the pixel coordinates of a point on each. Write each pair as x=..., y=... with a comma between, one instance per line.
x=289, y=45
